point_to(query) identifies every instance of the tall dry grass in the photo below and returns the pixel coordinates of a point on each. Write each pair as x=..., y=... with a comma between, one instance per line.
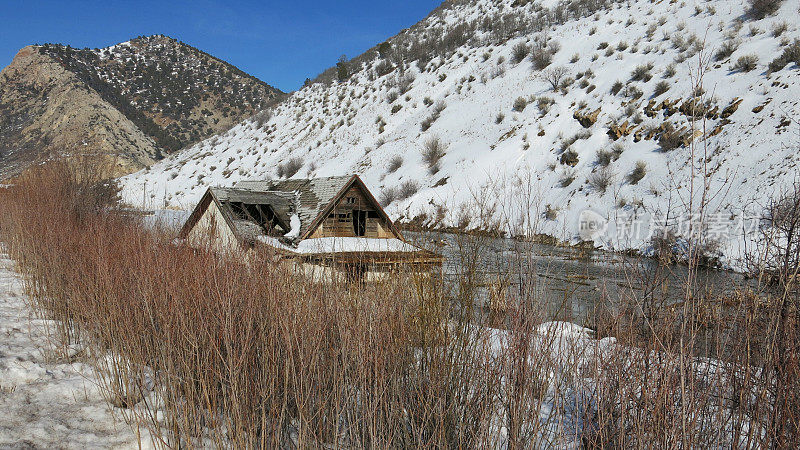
x=208, y=350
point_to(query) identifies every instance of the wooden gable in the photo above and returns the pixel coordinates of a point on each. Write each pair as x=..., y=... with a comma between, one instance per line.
x=354, y=212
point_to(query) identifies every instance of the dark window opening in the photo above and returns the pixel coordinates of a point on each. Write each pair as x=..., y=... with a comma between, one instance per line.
x=359, y=222
x=373, y=215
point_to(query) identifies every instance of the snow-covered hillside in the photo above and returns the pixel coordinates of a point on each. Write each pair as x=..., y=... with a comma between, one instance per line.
x=483, y=126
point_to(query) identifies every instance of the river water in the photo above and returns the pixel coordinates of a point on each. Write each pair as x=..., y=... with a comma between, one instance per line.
x=567, y=282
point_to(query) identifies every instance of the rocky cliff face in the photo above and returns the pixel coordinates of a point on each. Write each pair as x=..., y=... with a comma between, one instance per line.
x=47, y=112
x=131, y=103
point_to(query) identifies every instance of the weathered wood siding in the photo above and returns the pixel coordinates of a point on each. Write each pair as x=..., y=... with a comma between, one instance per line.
x=212, y=229
x=339, y=222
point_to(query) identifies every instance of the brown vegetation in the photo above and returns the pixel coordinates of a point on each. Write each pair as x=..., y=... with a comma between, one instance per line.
x=248, y=353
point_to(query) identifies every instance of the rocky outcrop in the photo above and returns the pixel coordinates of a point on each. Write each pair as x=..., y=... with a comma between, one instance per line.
x=616, y=131
x=586, y=118
x=761, y=107
x=730, y=109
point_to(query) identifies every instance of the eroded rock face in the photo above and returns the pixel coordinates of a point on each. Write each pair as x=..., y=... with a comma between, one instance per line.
x=616, y=131
x=730, y=109
x=46, y=112
x=586, y=118
x=676, y=131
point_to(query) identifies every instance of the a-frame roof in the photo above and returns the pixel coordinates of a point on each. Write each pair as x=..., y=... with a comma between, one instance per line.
x=316, y=197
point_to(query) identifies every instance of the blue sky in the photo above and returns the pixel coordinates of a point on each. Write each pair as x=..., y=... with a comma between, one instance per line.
x=280, y=42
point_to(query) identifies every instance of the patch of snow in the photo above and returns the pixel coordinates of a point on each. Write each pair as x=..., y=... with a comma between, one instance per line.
x=295, y=226
x=273, y=242
x=48, y=401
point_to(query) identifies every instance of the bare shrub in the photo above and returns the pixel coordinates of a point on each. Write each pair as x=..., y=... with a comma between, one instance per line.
x=544, y=103
x=550, y=212
x=439, y=107
x=779, y=250
x=554, y=75
x=632, y=91
x=661, y=88
x=642, y=72
x=791, y=54
x=432, y=151
x=566, y=178
x=726, y=49
x=395, y=163
x=541, y=56
x=405, y=82
x=778, y=28
x=426, y=123
x=746, y=63
x=263, y=117
x=616, y=87
x=384, y=67
x=519, y=52
x=637, y=173
x=604, y=157
x=289, y=168
x=580, y=135
x=763, y=8
x=388, y=196
x=519, y=104
x=407, y=189
x=601, y=179
x=437, y=111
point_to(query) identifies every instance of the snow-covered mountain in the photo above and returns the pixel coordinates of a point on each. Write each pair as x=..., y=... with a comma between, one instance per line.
x=531, y=112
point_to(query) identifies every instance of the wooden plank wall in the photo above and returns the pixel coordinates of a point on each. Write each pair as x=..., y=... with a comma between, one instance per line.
x=339, y=222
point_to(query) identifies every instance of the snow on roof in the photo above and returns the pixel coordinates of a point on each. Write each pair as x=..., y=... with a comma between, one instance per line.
x=353, y=245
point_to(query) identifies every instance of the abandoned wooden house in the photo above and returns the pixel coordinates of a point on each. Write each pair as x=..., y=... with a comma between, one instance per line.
x=326, y=225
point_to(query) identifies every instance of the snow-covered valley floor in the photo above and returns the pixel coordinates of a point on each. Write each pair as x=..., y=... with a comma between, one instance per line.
x=48, y=401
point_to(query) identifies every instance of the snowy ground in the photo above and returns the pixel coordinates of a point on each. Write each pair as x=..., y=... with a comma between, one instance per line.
x=46, y=401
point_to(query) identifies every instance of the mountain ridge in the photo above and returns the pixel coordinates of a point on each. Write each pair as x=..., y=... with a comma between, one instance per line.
x=166, y=94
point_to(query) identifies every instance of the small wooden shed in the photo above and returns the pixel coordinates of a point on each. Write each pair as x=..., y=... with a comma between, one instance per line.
x=332, y=222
